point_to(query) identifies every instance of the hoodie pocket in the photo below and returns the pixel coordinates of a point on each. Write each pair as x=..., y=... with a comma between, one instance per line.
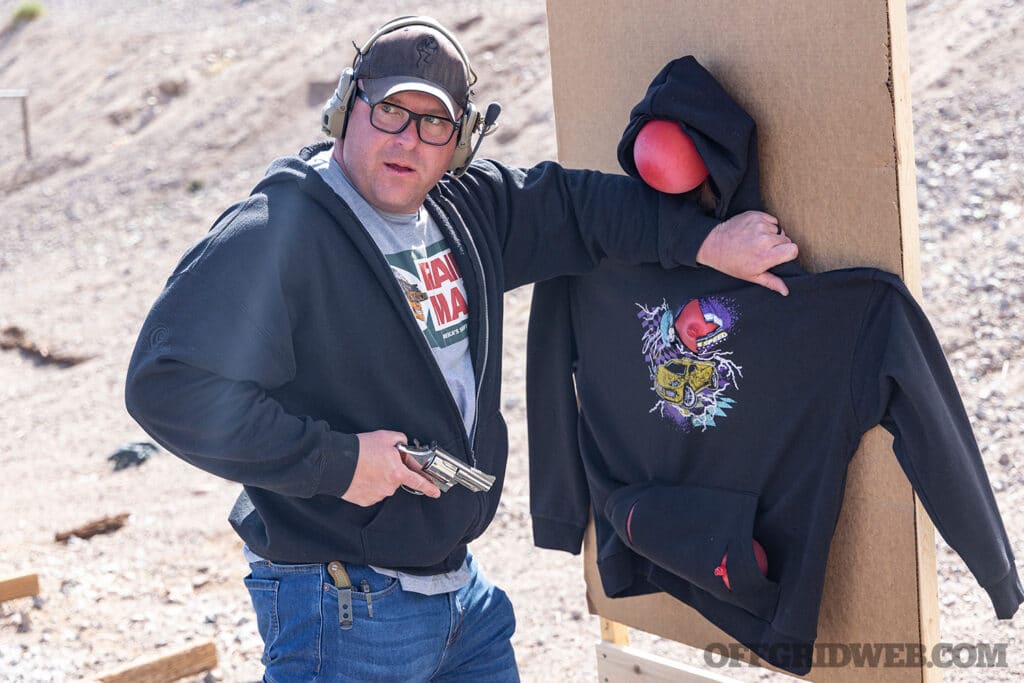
x=409, y=530
x=703, y=535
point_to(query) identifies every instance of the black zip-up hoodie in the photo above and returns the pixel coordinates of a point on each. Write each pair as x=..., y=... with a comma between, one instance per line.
x=283, y=333
x=713, y=412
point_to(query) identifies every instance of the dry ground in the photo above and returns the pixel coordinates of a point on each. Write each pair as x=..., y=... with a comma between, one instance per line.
x=147, y=121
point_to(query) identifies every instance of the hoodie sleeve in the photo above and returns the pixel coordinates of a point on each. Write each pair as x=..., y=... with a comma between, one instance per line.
x=559, y=494
x=906, y=386
x=212, y=349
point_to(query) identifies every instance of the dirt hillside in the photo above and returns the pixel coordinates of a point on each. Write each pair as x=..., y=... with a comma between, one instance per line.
x=148, y=121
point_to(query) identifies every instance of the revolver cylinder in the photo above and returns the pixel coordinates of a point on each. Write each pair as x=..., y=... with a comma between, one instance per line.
x=445, y=470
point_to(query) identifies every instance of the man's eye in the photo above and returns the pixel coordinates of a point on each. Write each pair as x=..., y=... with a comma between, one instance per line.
x=433, y=120
x=386, y=107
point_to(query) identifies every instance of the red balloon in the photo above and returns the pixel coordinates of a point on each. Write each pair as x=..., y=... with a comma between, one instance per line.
x=667, y=158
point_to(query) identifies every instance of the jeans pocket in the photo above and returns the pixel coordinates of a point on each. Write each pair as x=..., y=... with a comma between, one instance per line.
x=380, y=589
x=287, y=600
x=263, y=593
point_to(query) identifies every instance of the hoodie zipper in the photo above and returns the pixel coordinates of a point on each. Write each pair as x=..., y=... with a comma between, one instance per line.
x=486, y=344
x=447, y=224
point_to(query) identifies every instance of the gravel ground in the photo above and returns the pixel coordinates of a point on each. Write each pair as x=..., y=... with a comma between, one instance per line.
x=148, y=120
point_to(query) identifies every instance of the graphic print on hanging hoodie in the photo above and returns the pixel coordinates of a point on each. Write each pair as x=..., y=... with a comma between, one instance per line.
x=433, y=286
x=693, y=374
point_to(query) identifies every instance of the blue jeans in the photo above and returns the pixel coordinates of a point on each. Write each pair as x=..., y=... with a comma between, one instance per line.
x=460, y=636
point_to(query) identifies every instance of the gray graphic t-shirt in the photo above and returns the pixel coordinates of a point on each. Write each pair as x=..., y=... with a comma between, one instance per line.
x=426, y=271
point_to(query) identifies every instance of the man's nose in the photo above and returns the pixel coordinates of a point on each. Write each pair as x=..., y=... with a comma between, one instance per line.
x=409, y=137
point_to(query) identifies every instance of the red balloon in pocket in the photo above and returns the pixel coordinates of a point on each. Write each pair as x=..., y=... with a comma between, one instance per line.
x=759, y=556
x=667, y=159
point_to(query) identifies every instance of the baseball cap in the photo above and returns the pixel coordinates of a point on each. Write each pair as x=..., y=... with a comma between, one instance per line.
x=417, y=58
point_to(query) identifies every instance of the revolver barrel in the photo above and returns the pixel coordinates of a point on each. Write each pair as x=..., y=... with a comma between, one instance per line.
x=474, y=480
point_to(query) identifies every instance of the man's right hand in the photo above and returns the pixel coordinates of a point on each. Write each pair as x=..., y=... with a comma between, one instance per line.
x=380, y=470
x=746, y=246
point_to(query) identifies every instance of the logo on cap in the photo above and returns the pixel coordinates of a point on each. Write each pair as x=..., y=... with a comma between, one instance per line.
x=427, y=47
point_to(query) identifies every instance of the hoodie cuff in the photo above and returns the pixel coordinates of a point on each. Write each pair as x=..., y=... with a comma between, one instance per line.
x=340, y=453
x=554, y=534
x=682, y=229
x=1006, y=594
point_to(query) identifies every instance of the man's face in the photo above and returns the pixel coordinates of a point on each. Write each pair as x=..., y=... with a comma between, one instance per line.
x=393, y=172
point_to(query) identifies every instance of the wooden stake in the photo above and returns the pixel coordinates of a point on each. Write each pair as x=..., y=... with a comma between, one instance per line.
x=167, y=667
x=14, y=587
x=24, y=126
x=99, y=526
x=13, y=337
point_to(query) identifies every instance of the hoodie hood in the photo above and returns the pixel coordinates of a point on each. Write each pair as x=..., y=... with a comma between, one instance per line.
x=292, y=168
x=724, y=134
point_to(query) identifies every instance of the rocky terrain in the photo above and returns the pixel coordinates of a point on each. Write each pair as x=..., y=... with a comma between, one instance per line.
x=148, y=120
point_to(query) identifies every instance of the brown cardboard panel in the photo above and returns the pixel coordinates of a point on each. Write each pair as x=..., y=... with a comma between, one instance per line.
x=828, y=84
x=815, y=76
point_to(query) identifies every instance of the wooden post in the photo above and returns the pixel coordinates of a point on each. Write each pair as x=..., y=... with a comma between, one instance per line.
x=23, y=96
x=24, y=126
x=614, y=632
x=619, y=664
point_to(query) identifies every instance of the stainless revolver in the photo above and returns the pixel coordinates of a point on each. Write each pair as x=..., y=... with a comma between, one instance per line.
x=444, y=469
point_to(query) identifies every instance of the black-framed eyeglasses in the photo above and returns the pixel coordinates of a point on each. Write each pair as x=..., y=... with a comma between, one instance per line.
x=389, y=117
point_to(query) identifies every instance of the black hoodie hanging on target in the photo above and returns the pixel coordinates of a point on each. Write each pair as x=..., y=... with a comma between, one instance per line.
x=713, y=412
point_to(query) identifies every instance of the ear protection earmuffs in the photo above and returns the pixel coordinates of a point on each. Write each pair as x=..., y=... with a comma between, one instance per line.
x=336, y=111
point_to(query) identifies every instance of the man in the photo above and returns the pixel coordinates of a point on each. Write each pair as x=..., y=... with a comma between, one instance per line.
x=353, y=303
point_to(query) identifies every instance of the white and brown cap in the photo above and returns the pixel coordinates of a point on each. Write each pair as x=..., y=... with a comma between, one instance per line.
x=417, y=58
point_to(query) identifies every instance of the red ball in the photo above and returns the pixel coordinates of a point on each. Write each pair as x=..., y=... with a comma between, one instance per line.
x=759, y=556
x=667, y=159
